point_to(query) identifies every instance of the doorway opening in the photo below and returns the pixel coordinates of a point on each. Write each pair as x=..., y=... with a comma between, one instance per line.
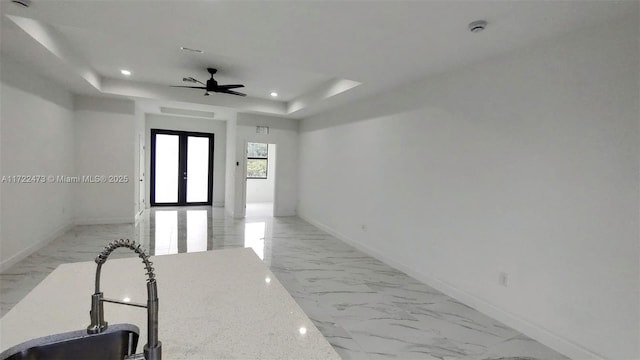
x=181, y=168
x=260, y=179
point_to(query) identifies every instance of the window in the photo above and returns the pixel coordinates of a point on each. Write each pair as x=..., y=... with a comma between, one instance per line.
x=257, y=162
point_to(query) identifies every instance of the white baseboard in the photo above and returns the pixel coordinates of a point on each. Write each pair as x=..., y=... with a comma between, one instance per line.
x=44, y=240
x=104, y=221
x=534, y=331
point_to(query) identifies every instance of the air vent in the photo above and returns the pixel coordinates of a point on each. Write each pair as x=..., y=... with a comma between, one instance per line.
x=262, y=129
x=187, y=112
x=197, y=51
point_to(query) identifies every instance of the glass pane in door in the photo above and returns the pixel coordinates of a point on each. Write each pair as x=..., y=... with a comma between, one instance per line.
x=197, y=169
x=167, y=159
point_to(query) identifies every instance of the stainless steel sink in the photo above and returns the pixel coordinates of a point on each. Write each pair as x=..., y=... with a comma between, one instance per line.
x=115, y=343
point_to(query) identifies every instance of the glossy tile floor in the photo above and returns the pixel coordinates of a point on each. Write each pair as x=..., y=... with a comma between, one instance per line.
x=365, y=309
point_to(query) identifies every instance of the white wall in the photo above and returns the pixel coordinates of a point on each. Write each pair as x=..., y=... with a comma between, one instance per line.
x=36, y=139
x=232, y=167
x=105, y=146
x=3, y=263
x=139, y=164
x=284, y=134
x=262, y=190
x=216, y=127
x=527, y=164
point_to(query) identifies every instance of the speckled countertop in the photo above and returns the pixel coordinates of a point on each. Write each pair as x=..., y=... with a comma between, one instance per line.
x=221, y=304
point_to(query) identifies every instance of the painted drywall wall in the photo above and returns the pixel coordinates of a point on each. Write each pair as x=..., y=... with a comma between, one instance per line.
x=216, y=127
x=231, y=167
x=526, y=164
x=36, y=139
x=284, y=134
x=139, y=183
x=105, y=147
x=2, y=261
x=262, y=190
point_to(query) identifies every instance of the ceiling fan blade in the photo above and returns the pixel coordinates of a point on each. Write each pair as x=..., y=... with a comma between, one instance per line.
x=227, y=87
x=190, y=87
x=231, y=92
x=198, y=81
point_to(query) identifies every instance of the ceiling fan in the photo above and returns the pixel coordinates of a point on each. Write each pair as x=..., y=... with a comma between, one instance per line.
x=212, y=85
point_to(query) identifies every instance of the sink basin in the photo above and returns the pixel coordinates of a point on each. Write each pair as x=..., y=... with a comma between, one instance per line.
x=114, y=343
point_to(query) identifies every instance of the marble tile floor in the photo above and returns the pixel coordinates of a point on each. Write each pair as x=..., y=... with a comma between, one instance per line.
x=259, y=209
x=365, y=309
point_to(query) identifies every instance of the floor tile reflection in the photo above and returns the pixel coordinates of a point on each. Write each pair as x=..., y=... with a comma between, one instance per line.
x=254, y=235
x=365, y=309
x=165, y=234
x=197, y=230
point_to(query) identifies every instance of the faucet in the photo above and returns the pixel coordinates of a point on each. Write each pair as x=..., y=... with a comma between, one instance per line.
x=153, y=348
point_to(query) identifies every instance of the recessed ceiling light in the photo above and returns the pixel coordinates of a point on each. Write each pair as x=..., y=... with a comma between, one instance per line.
x=190, y=49
x=274, y=94
x=125, y=72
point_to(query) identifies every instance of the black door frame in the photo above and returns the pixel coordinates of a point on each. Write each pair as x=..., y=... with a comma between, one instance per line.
x=183, y=172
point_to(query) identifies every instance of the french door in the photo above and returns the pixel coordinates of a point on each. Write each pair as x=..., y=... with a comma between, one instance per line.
x=181, y=168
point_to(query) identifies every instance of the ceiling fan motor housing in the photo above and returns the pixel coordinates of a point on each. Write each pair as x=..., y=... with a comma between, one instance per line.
x=211, y=84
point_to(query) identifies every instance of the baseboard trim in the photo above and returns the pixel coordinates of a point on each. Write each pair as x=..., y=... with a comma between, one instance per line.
x=105, y=221
x=534, y=331
x=45, y=239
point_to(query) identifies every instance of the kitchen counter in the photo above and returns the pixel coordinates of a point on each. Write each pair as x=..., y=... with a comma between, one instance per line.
x=221, y=304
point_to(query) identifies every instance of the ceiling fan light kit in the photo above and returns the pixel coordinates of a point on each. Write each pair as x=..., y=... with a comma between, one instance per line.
x=212, y=85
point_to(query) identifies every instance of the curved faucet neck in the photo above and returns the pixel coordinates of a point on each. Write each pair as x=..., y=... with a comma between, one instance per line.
x=153, y=348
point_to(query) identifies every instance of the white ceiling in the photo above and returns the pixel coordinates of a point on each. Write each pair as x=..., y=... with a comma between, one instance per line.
x=302, y=49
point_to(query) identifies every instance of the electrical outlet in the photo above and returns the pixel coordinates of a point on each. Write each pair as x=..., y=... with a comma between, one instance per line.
x=504, y=279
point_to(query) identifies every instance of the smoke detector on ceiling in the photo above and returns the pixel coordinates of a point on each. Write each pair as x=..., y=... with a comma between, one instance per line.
x=477, y=26
x=23, y=3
